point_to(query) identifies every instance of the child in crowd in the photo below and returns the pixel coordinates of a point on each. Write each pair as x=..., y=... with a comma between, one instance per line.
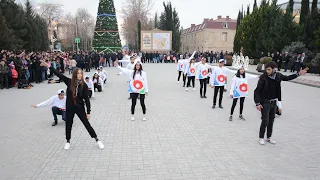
x=15, y=75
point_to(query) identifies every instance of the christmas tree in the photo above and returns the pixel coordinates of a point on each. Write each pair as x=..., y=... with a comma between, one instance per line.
x=106, y=35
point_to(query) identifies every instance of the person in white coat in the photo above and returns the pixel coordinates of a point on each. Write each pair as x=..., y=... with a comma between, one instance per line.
x=58, y=105
x=97, y=82
x=90, y=85
x=104, y=73
x=180, y=68
x=102, y=76
x=138, y=86
x=202, y=76
x=239, y=90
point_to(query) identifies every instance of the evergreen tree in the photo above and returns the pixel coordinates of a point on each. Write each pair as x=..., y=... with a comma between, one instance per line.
x=290, y=7
x=314, y=6
x=139, y=35
x=304, y=11
x=248, y=10
x=106, y=34
x=156, y=21
x=255, y=6
x=236, y=42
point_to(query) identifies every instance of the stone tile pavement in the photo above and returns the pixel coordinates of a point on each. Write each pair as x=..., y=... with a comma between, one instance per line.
x=182, y=139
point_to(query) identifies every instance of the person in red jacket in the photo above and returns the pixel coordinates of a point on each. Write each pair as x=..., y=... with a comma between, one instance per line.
x=15, y=75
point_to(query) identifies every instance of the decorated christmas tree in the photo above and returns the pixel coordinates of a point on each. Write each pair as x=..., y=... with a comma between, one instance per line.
x=106, y=35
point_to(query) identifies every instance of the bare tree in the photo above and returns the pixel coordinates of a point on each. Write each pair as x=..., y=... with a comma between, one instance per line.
x=50, y=11
x=85, y=28
x=132, y=11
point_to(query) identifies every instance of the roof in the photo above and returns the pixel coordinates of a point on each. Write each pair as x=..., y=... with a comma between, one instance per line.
x=212, y=24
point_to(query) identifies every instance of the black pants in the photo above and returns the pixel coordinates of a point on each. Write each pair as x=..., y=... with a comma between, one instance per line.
x=87, y=67
x=216, y=90
x=203, y=86
x=96, y=86
x=191, y=79
x=184, y=79
x=39, y=76
x=279, y=66
x=3, y=80
x=285, y=67
x=267, y=115
x=56, y=111
x=134, y=97
x=235, y=100
x=82, y=116
x=90, y=93
x=179, y=75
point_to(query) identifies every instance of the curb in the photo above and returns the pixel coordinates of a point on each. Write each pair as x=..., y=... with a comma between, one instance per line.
x=293, y=81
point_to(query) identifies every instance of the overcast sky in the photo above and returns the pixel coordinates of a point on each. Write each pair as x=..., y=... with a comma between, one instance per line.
x=190, y=11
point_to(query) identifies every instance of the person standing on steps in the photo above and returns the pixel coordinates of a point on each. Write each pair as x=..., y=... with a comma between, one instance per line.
x=180, y=67
x=266, y=95
x=239, y=90
x=202, y=76
x=58, y=106
x=77, y=97
x=138, y=86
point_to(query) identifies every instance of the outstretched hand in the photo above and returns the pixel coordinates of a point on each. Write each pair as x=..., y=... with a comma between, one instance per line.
x=116, y=63
x=43, y=63
x=303, y=71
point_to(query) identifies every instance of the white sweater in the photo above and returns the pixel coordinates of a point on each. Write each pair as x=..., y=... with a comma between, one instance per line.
x=180, y=65
x=219, y=76
x=203, y=71
x=54, y=101
x=239, y=86
x=90, y=86
x=191, y=69
x=137, y=85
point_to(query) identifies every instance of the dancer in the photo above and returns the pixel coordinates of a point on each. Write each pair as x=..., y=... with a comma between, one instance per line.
x=266, y=95
x=102, y=75
x=202, y=76
x=180, y=68
x=77, y=96
x=185, y=63
x=190, y=71
x=239, y=90
x=97, y=82
x=90, y=85
x=58, y=106
x=138, y=86
x=219, y=82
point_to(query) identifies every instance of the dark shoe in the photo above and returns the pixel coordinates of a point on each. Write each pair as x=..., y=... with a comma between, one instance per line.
x=129, y=98
x=201, y=96
x=205, y=97
x=184, y=86
x=214, y=106
x=241, y=117
x=220, y=106
x=55, y=123
x=230, y=118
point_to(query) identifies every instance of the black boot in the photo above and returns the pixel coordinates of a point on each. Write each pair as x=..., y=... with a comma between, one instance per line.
x=55, y=122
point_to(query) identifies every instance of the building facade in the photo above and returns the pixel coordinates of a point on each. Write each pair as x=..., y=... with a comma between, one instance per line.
x=296, y=8
x=211, y=35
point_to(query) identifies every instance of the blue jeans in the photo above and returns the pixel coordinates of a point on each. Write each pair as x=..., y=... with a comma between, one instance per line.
x=56, y=111
x=27, y=74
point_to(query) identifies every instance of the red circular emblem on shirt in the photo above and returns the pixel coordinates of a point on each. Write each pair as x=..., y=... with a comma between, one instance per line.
x=181, y=66
x=204, y=73
x=221, y=78
x=137, y=84
x=192, y=70
x=243, y=87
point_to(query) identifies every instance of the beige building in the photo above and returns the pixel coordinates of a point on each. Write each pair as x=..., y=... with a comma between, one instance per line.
x=296, y=8
x=211, y=35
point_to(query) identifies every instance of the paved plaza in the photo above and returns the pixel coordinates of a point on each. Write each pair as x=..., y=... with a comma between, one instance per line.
x=183, y=138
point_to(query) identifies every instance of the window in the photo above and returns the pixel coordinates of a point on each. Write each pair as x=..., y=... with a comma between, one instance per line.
x=225, y=25
x=224, y=36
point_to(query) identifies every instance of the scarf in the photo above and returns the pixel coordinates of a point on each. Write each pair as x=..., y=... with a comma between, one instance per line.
x=273, y=74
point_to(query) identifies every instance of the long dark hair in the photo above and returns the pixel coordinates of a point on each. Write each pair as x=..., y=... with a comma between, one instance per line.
x=135, y=70
x=75, y=82
x=238, y=74
x=94, y=77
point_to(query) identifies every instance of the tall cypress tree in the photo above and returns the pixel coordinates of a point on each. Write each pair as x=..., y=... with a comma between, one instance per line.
x=314, y=6
x=290, y=7
x=255, y=5
x=304, y=11
x=248, y=10
x=139, y=35
x=236, y=42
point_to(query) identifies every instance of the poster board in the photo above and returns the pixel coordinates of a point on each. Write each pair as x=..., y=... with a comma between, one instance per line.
x=156, y=40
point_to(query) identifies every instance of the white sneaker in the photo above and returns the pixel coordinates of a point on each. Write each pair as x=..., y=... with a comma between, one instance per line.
x=144, y=118
x=261, y=142
x=194, y=89
x=132, y=118
x=186, y=89
x=100, y=144
x=178, y=82
x=67, y=146
x=271, y=141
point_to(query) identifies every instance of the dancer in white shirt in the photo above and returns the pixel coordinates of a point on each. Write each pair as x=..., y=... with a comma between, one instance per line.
x=239, y=90
x=202, y=76
x=104, y=73
x=180, y=68
x=102, y=76
x=90, y=85
x=138, y=86
x=58, y=106
x=97, y=82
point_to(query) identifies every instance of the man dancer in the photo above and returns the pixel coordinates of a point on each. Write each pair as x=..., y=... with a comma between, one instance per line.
x=266, y=95
x=58, y=105
x=218, y=82
x=180, y=67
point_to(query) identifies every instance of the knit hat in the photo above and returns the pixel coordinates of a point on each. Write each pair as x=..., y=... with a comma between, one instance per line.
x=60, y=91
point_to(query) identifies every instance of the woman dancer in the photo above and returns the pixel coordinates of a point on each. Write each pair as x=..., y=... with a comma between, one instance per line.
x=180, y=67
x=190, y=72
x=97, y=82
x=239, y=90
x=138, y=86
x=202, y=76
x=77, y=96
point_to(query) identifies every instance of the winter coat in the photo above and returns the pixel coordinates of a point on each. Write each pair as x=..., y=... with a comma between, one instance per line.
x=14, y=73
x=3, y=69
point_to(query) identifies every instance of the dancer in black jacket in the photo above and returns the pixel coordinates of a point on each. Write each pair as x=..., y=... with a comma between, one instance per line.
x=77, y=96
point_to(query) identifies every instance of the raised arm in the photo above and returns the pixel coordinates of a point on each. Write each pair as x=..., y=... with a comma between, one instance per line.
x=251, y=76
x=146, y=82
x=46, y=103
x=232, y=87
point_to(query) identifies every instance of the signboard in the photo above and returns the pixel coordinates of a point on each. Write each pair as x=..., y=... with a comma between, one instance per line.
x=76, y=40
x=156, y=40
